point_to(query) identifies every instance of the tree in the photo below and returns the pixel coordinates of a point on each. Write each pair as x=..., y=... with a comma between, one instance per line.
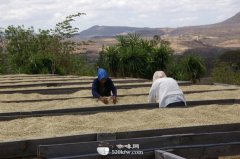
x=194, y=67
x=21, y=46
x=64, y=29
x=136, y=57
x=48, y=51
x=112, y=59
x=175, y=69
x=227, y=68
x=232, y=58
x=61, y=46
x=161, y=56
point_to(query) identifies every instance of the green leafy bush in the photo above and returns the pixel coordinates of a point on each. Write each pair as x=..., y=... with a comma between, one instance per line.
x=227, y=68
x=48, y=51
x=135, y=57
x=194, y=67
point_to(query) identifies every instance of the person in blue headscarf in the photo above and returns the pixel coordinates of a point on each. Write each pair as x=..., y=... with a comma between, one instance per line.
x=103, y=86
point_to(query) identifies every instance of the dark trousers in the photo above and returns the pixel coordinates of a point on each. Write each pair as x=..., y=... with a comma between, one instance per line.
x=176, y=104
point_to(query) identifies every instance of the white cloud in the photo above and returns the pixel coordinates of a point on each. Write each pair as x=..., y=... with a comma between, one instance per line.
x=184, y=19
x=138, y=13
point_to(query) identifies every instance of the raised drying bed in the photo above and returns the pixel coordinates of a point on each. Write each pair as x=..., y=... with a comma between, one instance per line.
x=54, y=84
x=67, y=98
x=198, y=145
x=98, y=109
x=75, y=89
x=148, y=140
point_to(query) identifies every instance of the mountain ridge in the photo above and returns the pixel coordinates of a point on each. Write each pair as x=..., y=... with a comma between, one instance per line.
x=111, y=31
x=108, y=31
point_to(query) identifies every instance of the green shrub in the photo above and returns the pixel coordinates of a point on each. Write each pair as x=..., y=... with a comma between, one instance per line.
x=223, y=73
x=176, y=71
x=227, y=68
x=194, y=67
x=135, y=57
x=49, y=51
x=81, y=67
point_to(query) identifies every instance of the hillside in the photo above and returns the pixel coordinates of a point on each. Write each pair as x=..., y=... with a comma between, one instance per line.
x=107, y=31
x=221, y=35
x=228, y=28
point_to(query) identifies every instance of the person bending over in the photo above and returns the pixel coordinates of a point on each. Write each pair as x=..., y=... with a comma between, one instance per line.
x=165, y=91
x=103, y=86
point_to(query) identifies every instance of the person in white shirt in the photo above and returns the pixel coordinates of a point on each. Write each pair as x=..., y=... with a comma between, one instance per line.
x=165, y=91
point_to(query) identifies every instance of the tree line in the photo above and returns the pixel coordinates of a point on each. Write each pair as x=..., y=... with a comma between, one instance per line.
x=136, y=57
x=22, y=50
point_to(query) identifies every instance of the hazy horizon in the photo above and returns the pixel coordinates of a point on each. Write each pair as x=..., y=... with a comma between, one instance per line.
x=45, y=14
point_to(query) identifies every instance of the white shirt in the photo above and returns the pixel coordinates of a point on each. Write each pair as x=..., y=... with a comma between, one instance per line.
x=165, y=91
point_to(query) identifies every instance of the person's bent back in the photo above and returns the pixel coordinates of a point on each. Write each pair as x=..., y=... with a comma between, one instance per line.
x=103, y=86
x=166, y=91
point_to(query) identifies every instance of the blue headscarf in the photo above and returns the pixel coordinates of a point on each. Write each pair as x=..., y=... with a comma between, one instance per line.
x=102, y=74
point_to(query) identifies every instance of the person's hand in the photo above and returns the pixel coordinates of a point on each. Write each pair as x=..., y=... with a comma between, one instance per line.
x=104, y=100
x=114, y=98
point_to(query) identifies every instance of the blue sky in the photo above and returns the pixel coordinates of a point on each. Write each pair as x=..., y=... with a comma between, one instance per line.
x=45, y=14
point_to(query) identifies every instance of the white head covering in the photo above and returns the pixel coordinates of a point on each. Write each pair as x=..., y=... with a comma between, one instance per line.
x=158, y=74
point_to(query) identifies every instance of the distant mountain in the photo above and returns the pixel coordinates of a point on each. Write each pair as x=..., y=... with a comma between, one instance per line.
x=108, y=31
x=208, y=41
x=229, y=27
x=235, y=20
